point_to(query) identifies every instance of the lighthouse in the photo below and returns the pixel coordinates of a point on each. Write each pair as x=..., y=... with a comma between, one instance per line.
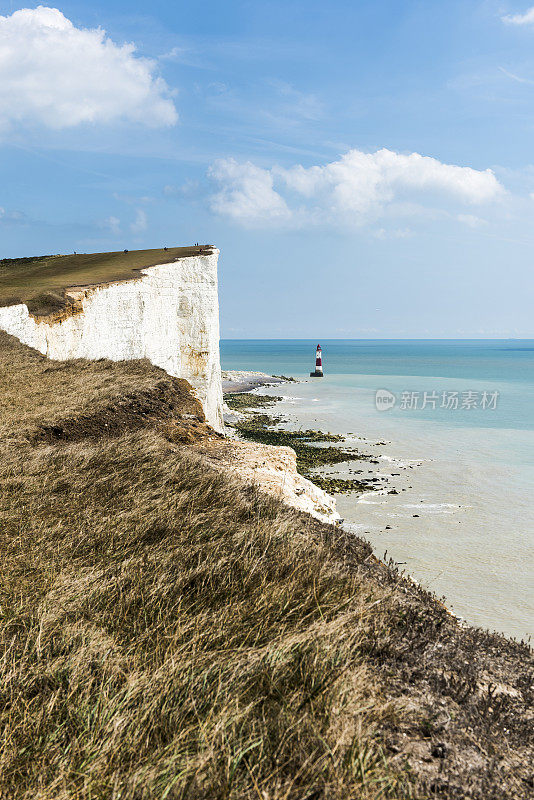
x=318, y=363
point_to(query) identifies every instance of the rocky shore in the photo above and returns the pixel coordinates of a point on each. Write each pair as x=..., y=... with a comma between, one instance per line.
x=272, y=466
x=314, y=449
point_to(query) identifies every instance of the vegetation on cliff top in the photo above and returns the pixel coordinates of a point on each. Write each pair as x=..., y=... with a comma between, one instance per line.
x=40, y=281
x=167, y=632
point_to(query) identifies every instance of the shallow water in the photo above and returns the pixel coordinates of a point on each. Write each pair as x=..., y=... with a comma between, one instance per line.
x=466, y=473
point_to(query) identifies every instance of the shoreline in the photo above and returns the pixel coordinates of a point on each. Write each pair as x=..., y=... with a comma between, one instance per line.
x=240, y=381
x=315, y=450
x=365, y=492
x=272, y=466
x=246, y=382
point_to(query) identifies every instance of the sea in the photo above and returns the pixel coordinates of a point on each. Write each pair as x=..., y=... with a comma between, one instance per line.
x=450, y=424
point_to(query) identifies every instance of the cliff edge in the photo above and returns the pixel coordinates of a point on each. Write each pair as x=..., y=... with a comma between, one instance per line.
x=166, y=312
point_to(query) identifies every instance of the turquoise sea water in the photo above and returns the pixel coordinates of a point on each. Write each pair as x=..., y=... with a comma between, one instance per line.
x=459, y=449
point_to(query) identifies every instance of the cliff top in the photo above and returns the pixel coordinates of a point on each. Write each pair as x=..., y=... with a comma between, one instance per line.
x=40, y=281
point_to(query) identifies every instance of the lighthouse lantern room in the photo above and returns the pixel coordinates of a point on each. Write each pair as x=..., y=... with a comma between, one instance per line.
x=318, y=364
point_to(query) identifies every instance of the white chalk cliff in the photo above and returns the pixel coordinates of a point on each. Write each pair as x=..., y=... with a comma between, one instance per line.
x=169, y=315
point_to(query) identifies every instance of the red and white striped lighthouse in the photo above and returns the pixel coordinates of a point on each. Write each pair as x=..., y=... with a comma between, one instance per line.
x=318, y=363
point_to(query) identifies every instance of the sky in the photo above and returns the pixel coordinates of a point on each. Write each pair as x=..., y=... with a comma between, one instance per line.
x=365, y=168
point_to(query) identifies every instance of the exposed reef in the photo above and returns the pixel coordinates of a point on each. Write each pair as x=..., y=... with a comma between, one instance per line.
x=261, y=427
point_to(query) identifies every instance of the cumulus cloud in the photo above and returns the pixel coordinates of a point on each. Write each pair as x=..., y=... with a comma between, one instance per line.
x=355, y=189
x=57, y=75
x=246, y=192
x=527, y=18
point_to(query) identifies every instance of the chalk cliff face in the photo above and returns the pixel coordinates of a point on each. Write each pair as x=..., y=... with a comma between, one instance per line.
x=169, y=315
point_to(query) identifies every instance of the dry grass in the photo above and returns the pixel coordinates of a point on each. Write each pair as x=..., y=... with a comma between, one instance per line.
x=74, y=399
x=155, y=643
x=39, y=282
x=169, y=633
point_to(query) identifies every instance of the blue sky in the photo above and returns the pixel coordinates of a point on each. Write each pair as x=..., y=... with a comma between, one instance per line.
x=366, y=168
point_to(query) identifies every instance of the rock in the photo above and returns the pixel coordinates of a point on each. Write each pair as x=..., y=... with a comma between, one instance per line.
x=273, y=469
x=439, y=750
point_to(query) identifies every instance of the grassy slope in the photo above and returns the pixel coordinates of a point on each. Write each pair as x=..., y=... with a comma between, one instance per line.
x=169, y=633
x=40, y=281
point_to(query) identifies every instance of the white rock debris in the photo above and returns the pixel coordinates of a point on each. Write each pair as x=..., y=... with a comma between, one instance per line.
x=273, y=469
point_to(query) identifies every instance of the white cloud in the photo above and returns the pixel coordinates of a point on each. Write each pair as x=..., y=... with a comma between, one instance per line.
x=471, y=220
x=246, y=193
x=357, y=188
x=360, y=181
x=112, y=224
x=515, y=77
x=140, y=223
x=60, y=76
x=520, y=19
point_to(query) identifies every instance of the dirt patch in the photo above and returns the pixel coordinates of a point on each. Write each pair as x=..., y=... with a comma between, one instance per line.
x=169, y=401
x=49, y=401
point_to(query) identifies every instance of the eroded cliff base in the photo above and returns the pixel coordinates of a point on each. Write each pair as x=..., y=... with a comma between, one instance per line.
x=169, y=630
